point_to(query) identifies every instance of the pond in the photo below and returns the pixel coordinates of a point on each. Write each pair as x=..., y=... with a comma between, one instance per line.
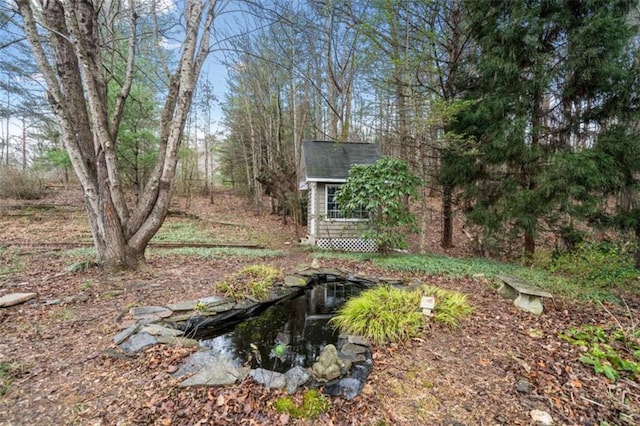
x=287, y=334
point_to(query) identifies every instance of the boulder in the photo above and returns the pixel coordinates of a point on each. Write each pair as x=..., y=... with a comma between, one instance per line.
x=268, y=378
x=296, y=377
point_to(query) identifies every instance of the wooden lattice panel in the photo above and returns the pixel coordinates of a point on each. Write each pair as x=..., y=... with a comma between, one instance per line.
x=347, y=244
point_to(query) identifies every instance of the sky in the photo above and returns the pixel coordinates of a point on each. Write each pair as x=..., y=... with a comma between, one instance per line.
x=228, y=22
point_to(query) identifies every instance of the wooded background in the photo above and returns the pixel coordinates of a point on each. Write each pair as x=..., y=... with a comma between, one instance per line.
x=519, y=115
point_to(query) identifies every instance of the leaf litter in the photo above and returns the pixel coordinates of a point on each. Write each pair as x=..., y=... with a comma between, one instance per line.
x=498, y=367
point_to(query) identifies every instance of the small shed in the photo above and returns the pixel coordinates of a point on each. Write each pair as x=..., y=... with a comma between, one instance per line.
x=324, y=166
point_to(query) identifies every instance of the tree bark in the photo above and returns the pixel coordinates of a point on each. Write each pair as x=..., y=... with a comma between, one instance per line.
x=71, y=65
x=447, y=217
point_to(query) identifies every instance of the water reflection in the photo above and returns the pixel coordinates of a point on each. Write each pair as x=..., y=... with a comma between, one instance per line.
x=289, y=333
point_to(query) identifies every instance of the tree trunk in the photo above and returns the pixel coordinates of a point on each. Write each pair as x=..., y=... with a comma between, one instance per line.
x=71, y=66
x=447, y=217
x=636, y=253
x=529, y=247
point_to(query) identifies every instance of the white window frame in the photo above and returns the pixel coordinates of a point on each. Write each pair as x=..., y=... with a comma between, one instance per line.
x=334, y=215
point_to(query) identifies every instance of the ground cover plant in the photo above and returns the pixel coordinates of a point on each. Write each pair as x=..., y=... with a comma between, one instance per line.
x=611, y=352
x=313, y=404
x=594, y=277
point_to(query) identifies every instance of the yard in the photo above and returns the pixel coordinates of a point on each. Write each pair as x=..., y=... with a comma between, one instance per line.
x=60, y=366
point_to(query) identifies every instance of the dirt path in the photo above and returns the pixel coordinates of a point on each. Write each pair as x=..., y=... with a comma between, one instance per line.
x=498, y=367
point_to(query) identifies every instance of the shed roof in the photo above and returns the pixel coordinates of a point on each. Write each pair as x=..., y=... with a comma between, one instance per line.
x=327, y=161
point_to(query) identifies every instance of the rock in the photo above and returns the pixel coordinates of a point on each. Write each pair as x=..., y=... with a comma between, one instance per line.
x=195, y=362
x=358, y=340
x=296, y=377
x=350, y=387
x=221, y=307
x=220, y=373
x=75, y=299
x=15, y=299
x=138, y=342
x=523, y=386
x=177, y=341
x=158, y=330
x=268, y=378
x=185, y=305
x=112, y=353
x=295, y=281
x=328, y=366
x=351, y=349
x=541, y=417
x=529, y=303
x=150, y=312
x=124, y=334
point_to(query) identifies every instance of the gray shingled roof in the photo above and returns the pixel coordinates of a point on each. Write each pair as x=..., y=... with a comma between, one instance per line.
x=326, y=160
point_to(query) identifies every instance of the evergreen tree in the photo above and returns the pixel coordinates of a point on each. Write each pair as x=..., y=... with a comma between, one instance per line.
x=546, y=80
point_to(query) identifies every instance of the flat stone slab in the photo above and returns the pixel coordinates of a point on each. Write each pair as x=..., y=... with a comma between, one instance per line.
x=138, y=342
x=177, y=341
x=124, y=334
x=185, y=305
x=296, y=377
x=295, y=281
x=158, y=330
x=15, y=299
x=150, y=312
x=521, y=286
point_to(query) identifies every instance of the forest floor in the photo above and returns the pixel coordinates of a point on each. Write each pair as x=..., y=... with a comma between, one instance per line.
x=497, y=368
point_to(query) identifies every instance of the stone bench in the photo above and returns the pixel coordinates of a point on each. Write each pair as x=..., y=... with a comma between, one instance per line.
x=524, y=295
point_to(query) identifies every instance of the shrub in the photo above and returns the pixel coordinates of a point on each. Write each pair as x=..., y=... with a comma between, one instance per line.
x=596, y=264
x=20, y=184
x=253, y=281
x=382, y=189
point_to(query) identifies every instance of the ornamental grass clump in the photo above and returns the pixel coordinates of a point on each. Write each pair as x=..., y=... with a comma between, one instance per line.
x=383, y=314
x=251, y=282
x=388, y=314
x=451, y=306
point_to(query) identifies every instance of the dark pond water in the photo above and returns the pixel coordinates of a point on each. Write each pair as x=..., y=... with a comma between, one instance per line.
x=289, y=333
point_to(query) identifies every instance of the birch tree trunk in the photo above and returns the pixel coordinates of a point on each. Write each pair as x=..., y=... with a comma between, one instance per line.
x=68, y=42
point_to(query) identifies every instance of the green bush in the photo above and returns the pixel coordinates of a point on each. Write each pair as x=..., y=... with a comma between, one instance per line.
x=388, y=314
x=20, y=184
x=596, y=264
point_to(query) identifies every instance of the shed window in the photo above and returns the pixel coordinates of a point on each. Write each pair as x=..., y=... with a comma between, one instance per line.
x=333, y=211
